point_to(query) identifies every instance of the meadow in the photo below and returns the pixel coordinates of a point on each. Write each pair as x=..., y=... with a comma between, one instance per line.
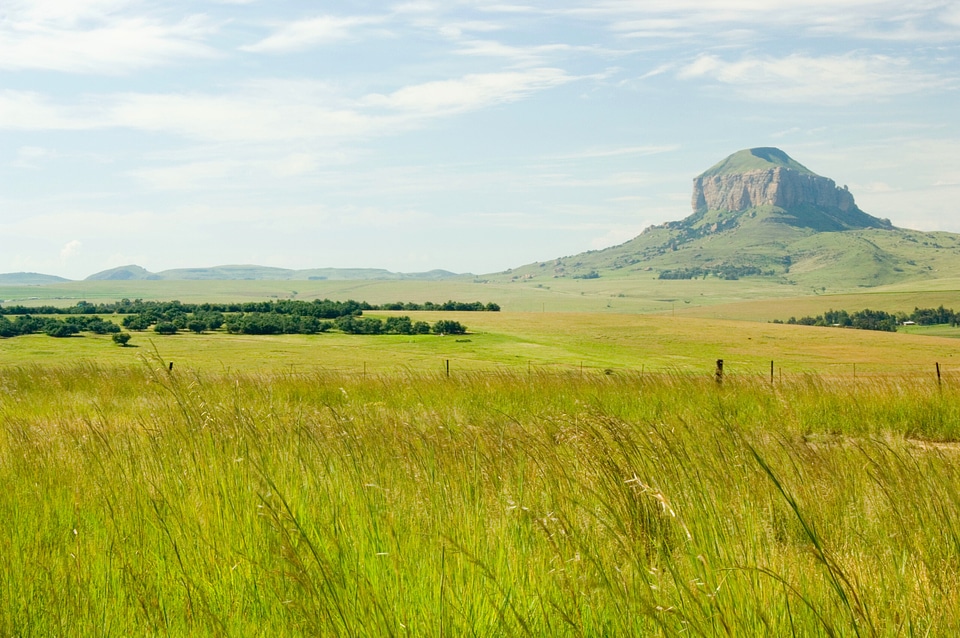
x=574, y=474
x=144, y=501
x=524, y=342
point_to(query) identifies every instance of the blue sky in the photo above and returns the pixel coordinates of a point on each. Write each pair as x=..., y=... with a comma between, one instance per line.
x=467, y=135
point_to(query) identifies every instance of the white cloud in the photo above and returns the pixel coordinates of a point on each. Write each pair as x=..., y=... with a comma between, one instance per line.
x=70, y=249
x=276, y=111
x=95, y=36
x=232, y=174
x=835, y=79
x=311, y=32
x=596, y=153
x=751, y=21
x=469, y=92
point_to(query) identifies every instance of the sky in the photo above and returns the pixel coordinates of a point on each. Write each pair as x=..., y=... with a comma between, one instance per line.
x=466, y=135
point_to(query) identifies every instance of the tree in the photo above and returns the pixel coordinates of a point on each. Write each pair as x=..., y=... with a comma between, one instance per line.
x=165, y=328
x=60, y=329
x=197, y=326
x=449, y=327
x=121, y=338
x=421, y=328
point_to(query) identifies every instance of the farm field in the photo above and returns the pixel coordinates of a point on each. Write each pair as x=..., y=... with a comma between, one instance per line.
x=638, y=294
x=140, y=500
x=588, y=342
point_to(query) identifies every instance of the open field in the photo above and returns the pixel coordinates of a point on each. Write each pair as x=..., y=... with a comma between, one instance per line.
x=745, y=299
x=524, y=341
x=576, y=474
x=139, y=501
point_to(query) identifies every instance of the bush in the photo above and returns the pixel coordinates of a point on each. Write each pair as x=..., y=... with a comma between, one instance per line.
x=101, y=327
x=165, y=328
x=121, y=338
x=60, y=329
x=448, y=327
x=421, y=328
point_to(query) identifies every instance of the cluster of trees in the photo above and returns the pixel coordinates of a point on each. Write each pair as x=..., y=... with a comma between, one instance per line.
x=878, y=319
x=728, y=272
x=253, y=323
x=397, y=325
x=268, y=323
x=28, y=324
x=319, y=308
x=453, y=306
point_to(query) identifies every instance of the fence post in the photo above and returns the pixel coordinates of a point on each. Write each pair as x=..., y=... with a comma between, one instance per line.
x=939, y=381
x=719, y=374
x=171, y=366
x=448, y=367
x=771, y=372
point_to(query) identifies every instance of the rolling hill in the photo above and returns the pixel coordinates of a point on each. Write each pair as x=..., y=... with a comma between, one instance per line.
x=29, y=279
x=262, y=273
x=761, y=214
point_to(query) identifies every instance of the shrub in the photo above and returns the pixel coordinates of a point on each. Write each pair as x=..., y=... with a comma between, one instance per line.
x=165, y=328
x=449, y=327
x=60, y=329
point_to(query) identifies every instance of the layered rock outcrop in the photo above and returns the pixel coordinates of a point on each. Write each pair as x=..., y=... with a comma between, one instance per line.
x=777, y=186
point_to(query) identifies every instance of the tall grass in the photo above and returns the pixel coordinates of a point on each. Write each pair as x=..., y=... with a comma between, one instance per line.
x=145, y=501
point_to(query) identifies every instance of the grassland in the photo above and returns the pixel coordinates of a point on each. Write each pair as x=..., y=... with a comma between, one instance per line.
x=140, y=501
x=524, y=342
x=576, y=474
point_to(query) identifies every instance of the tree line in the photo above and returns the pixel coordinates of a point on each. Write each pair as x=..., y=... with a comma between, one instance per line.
x=174, y=320
x=723, y=271
x=878, y=319
x=319, y=308
x=28, y=324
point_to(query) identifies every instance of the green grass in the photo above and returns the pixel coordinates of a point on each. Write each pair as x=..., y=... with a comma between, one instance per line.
x=523, y=342
x=755, y=159
x=139, y=502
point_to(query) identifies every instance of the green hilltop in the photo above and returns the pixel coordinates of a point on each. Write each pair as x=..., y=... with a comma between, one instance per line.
x=755, y=159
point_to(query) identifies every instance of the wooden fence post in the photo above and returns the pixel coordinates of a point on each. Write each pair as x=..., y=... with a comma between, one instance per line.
x=719, y=374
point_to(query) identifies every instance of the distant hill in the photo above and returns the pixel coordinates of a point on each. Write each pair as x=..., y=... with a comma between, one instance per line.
x=759, y=213
x=254, y=273
x=29, y=279
x=123, y=273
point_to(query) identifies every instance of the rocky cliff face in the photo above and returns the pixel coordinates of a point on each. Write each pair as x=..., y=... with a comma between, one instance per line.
x=777, y=186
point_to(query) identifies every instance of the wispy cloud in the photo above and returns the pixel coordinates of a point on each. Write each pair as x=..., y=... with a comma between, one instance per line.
x=305, y=34
x=289, y=110
x=825, y=79
x=909, y=20
x=469, y=92
x=95, y=37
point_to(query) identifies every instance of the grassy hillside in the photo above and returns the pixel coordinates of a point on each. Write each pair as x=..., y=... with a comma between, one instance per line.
x=755, y=159
x=29, y=279
x=759, y=245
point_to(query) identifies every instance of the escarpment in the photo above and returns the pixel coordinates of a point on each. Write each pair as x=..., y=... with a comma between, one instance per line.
x=769, y=177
